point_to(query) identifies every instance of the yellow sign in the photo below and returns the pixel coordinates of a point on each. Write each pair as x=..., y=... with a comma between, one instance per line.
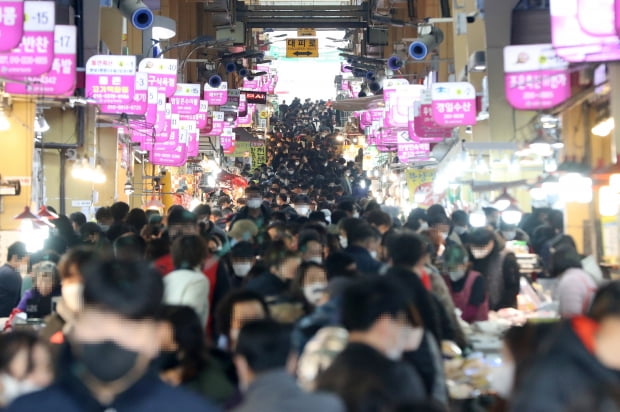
x=264, y=114
x=306, y=32
x=419, y=182
x=259, y=154
x=302, y=48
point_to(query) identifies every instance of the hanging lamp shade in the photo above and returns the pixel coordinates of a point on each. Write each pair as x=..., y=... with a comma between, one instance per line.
x=154, y=203
x=45, y=213
x=26, y=214
x=503, y=201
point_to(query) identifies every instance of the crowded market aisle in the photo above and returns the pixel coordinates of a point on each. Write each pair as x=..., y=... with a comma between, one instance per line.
x=302, y=292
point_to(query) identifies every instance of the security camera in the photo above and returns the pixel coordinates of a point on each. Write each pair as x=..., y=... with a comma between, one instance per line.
x=138, y=13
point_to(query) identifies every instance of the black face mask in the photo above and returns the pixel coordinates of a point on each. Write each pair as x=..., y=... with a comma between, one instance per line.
x=106, y=361
x=168, y=360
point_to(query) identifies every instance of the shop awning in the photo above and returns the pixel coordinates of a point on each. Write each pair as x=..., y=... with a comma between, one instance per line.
x=242, y=135
x=362, y=103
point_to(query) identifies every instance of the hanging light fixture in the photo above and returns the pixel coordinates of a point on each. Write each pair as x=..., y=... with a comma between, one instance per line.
x=503, y=201
x=608, y=201
x=26, y=214
x=478, y=218
x=512, y=215
x=604, y=127
x=154, y=204
x=129, y=187
x=541, y=146
x=44, y=213
x=5, y=107
x=40, y=123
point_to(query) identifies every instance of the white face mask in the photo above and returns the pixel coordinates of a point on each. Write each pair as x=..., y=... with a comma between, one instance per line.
x=13, y=388
x=344, y=242
x=374, y=254
x=302, y=210
x=456, y=275
x=502, y=379
x=423, y=226
x=510, y=235
x=315, y=259
x=480, y=253
x=254, y=203
x=242, y=269
x=314, y=292
x=356, y=215
x=73, y=296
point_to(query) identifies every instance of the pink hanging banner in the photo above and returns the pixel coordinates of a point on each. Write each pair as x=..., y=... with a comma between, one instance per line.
x=369, y=116
x=111, y=79
x=398, y=100
x=35, y=53
x=216, y=96
x=11, y=23
x=162, y=73
x=411, y=151
x=252, y=85
x=151, y=104
x=422, y=125
x=585, y=30
x=186, y=100
x=201, y=116
x=218, y=124
x=189, y=126
x=454, y=104
x=535, y=77
x=60, y=80
x=245, y=121
x=208, y=125
x=227, y=141
x=172, y=152
x=140, y=99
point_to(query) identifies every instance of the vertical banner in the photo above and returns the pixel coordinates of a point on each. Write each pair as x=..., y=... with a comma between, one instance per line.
x=420, y=184
x=258, y=153
x=60, y=80
x=11, y=23
x=111, y=79
x=162, y=73
x=454, y=104
x=35, y=53
x=535, y=77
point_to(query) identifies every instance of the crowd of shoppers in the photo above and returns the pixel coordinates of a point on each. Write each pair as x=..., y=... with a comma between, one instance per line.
x=305, y=279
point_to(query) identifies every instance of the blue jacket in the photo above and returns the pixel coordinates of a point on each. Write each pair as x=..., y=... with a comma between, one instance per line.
x=148, y=394
x=366, y=264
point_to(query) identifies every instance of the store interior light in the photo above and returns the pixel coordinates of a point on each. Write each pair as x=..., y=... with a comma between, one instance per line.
x=608, y=201
x=575, y=188
x=550, y=165
x=477, y=61
x=604, y=127
x=504, y=201
x=478, y=219
x=548, y=121
x=128, y=188
x=481, y=167
x=614, y=182
x=163, y=28
x=512, y=215
x=541, y=147
x=40, y=123
x=538, y=193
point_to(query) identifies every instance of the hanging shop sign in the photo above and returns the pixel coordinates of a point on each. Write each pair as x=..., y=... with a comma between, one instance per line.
x=201, y=117
x=535, y=77
x=306, y=32
x=420, y=185
x=216, y=96
x=398, y=100
x=11, y=23
x=189, y=127
x=218, y=124
x=60, y=80
x=139, y=104
x=162, y=73
x=227, y=142
x=111, y=79
x=35, y=53
x=454, y=104
x=369, y=116
x=172, y=152
x=152, y=97
x=258, y=152
x=255, y=97
x=585, y=31
x=206, y=129
x=369, y=161
x=251, y=85
x=186, y=99
x=302, y=48
x=411, y=151
x=423, y=127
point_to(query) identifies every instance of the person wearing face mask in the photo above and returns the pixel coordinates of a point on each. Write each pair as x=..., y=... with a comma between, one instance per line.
x=460, y=224
x=302, y=205
x=311, y=246
x=254, y=210
x=107, y=363
x=243, y=258
x=378, y=336
x=25, y=365
x=310, y=284
x=512, y=232
x=363, y=243
x=37, y=302
x=466, y=286
x=60, y=323
x=498, y=266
